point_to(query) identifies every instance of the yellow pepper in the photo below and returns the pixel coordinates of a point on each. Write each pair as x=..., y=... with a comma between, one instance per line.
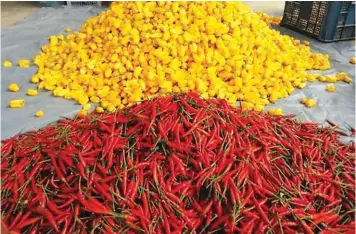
x=35, y=79
x=342, y=76
x=94, y=99
x=7, y=64
x=39, y=113
x=104, y=104
x=271, y=20
x=32, y=92
x=304, y=100
x=13, y=87
x=331, y=79
x=347, y=79
x=302, y=85
x=258, y=108
x=310, y=103
x=86, y=106
x=82, y=100
x=322, y=78
x=24, y=63
x=330, y=88
x=99, y=109
x=82, y=113
x=275, y=112
x=111, y=108
x=212, y=48
x=353, y=60
x=17, y=103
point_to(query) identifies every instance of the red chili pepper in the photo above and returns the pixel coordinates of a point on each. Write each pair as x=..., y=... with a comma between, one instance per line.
x=182, y=187
x=48, y=215
x=93, y=205
x=154, y=171
x=289, y=224
x=207, y=208
x=221, y=220
x=15, y=221
x=327, y=219
x=103, y=192
x=201, y=170
x=52, y=207
x=186, y=106
x=133, y=191
x=306, y=228
x=174, y=198
x=19, y=166
x=166, y=223
x=56, y=168
x=259, y=209
x=179, y=164
x=28, y=222
x=235, y=192
x=65, y=226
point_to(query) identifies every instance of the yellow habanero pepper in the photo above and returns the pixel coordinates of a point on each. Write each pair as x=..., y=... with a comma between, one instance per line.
x=39, y=113
x=32, y=92
x=17, y=103
x=13, y=87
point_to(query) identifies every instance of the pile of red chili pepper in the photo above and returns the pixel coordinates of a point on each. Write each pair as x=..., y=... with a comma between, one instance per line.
x=179, y=164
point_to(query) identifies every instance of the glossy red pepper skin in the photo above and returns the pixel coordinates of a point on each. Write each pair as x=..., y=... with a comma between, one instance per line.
x=48, y=215
x=178, y=164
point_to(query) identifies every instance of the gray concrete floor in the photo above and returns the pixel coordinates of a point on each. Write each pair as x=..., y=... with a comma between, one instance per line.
x=12, y=12
x=274, y=8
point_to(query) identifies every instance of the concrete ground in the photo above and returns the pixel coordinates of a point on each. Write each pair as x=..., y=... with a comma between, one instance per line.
x=274, y=8
x=12, y=12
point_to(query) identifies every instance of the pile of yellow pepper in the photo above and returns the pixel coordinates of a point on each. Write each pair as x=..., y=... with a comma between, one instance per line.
x=141, y=50
x=269, y=19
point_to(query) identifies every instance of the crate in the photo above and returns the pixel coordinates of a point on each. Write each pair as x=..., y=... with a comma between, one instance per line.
x=325, y=21
x=74, y=3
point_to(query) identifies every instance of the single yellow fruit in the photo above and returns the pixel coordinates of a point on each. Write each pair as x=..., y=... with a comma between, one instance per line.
x=330, y=88
x=347, y=79
x=310, y=103
x=82, y=113
x=32, y=92
x=303, y=100
x=24, y=63
x=111, y=108
x=275, y=112
x=353, y=60
x=95, y=99
x=7, y=64
x=322, y=78
x=302, y=85
x=17, y=103
x=35, y=79
x=39, y=113
x=67, y=30
x=331, y=79
x=13, y=87
x=99, y=109
x=104, y=104
x=86, y=106
x=83, y=100
x=258, y=108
